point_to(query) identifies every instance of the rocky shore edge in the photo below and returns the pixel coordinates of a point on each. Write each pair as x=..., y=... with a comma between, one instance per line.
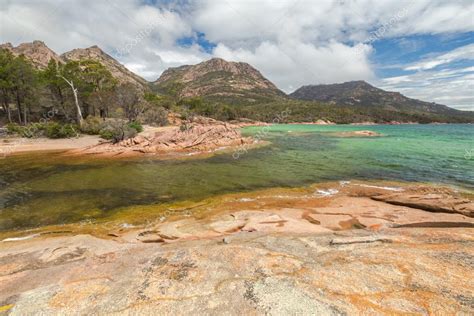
x=338, y=248
x=198, y=137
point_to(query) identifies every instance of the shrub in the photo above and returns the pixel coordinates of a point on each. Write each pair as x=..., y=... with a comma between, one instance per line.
x=155, y=116
x=13, y=128
x=136, y=126
x=50, y=130
x=184, y=127
x=92, y=125
x=107, y=133
x=117, y=131
x=28, y=131
x=57, y=130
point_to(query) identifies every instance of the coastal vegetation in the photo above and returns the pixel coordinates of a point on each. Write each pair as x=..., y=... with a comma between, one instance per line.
x=65, y=99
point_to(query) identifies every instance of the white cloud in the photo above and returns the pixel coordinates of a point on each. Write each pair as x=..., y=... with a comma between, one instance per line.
x=134, y=33
x=291, y=66
x=293, y=42
x=453, y=87
x=462, y=53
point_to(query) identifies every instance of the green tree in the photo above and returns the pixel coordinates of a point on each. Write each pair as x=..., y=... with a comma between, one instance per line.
x=6, y=84
x=86, y=79
x=128, y=98
x=98, y=86
x=56, y=85
x=24, y=86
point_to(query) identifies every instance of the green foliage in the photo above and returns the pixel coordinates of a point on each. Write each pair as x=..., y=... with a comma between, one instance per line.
x=58, y=130
x=136, y=126
x=50, y=130
x=200, y=106
x=18, y=85
x=107, y=133
x=13, y=128
x=129, y=99
x=117, y=130
x=155, y=116
x=184, y=127
x=88, y=76
x=158, y=101
x=225, y=113
x=92, y=125
x=25, y=92
x=152, y=97
x=29, y=131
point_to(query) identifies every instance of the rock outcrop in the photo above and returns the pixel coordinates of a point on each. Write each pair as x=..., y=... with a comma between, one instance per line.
x=37, y=52
x=442, y=202
x=276, y=252
x=201, y=136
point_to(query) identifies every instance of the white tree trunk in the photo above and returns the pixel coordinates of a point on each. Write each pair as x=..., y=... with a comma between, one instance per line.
x=76, y=101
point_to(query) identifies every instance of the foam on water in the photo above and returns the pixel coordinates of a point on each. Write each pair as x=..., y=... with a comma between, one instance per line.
x=20, y=238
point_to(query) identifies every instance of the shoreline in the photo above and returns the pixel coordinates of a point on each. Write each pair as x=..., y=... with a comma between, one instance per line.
x=440, y=199
x=337, y=247
x=20, y=146
x=95, y=147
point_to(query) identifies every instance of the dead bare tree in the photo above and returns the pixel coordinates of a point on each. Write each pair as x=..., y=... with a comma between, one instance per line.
x=80, y=119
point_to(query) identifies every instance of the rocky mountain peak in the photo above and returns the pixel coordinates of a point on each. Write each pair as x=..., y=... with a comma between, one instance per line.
x=37, y=52
x=118, y=71
x=86, y=53
x=217, y=77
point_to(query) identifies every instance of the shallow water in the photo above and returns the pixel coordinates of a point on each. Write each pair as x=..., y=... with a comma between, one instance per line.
x=45, y=189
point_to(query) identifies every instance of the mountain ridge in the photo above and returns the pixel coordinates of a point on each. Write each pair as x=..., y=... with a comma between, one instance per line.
x=359, y=93
x=239, y=84
x=118, y=71
x=40, y=54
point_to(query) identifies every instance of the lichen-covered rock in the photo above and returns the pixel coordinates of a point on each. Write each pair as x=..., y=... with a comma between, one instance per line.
x=276, y=251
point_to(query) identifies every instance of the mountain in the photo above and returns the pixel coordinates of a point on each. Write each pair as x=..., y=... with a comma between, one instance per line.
x=221, y=84
x=37, y=52
x=217, y=79
x=40, y=55
x=118, y=71
x=363, y=96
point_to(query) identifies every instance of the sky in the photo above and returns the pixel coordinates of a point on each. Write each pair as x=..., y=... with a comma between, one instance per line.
x=423, y=49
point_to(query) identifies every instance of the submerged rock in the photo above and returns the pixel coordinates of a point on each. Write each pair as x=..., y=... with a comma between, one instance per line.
x=358, y=134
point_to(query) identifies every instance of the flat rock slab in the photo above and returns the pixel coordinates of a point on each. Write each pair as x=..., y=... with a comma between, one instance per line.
x=430, y=202
x=423, y=271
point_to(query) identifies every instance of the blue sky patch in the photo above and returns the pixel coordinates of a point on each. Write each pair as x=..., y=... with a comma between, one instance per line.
x=198, y=38
x=391, y=55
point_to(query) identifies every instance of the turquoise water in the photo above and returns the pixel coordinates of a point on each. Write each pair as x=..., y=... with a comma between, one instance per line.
x=44, y=189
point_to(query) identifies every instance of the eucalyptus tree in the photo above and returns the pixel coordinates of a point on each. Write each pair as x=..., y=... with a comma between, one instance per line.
x=6, y=84
x=23, y=86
